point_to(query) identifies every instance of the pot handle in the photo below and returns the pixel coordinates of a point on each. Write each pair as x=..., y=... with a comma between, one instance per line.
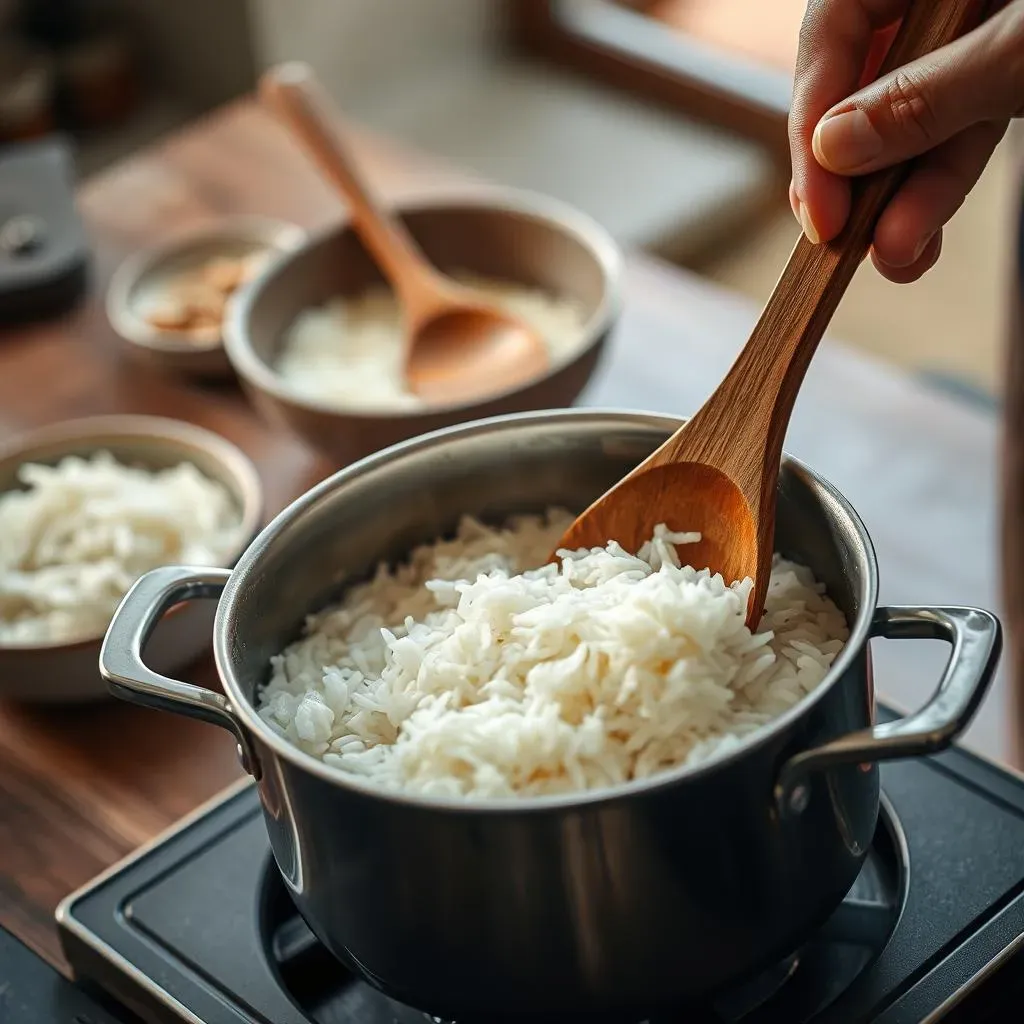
x=976, y=639
x=128, y=676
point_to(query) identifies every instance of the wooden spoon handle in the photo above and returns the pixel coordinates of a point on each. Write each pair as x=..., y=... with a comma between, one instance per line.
x=770, y=369
x=291, y=90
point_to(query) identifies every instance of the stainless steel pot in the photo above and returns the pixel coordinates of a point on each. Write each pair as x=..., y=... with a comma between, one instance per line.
x=624, y=901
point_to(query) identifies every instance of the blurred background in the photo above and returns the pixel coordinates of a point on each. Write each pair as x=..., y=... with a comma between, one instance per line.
x=664, y=119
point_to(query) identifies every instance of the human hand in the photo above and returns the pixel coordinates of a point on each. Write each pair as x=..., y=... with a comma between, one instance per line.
x=949, y=108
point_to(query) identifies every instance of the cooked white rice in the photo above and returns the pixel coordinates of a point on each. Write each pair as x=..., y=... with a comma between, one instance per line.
x=459, y=674
x=349, y=353
x=80, y=533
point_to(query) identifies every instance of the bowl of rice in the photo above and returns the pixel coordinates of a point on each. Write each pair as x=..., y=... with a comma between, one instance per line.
x=317, y=341
x=86, y=508
x=571, y=789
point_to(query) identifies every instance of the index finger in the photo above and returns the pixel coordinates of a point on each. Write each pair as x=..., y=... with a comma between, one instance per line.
x=839, y=43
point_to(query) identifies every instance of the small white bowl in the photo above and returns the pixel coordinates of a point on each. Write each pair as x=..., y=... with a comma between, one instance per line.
x=144, y=274
x=69, y=671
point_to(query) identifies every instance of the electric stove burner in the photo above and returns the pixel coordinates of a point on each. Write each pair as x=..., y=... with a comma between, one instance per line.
x=199, y=926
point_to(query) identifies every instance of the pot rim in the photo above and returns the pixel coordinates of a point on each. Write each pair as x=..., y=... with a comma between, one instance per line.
x=245, y=709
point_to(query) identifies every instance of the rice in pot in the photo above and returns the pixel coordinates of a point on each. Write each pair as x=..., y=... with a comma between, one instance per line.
x=461, y=674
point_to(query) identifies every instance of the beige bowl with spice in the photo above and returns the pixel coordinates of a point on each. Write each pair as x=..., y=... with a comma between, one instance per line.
x=69, y=671
x=168, y=302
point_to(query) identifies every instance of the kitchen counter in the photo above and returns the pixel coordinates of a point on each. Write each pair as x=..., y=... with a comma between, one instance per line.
x=81, y=787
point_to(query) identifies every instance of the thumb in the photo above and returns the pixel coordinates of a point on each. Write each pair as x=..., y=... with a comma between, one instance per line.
x=915, y=108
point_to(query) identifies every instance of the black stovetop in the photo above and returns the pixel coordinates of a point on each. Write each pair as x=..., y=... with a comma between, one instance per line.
x=32, y=992
x=199, y=927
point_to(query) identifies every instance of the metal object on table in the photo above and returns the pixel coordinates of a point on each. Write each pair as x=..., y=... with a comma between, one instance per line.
x=44, y=253
x=496, y=889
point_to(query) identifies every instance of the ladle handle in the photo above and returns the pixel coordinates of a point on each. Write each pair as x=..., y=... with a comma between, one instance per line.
x=769, y=371
x=292, y=92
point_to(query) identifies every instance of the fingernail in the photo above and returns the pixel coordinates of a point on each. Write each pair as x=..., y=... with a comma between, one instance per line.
x=921, y=246
x=808, y=225
x=846, y=142
x=794, y=201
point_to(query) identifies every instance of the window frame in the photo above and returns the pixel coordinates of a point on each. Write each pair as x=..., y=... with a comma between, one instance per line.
x=612, y=44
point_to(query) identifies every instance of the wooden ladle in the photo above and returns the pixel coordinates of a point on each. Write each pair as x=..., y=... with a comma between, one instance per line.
x=718, y=474
x=458, y=346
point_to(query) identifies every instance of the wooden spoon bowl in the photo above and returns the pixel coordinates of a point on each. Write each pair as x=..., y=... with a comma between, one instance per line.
x=466, y=350
x=653, y=495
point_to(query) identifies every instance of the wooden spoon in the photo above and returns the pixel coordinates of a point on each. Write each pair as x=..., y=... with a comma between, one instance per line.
x=459, y=346
x=718, y=474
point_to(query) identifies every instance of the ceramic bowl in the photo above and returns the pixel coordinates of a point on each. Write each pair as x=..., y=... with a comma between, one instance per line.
x=148, y=274
x=69, y=671
x=501, y=235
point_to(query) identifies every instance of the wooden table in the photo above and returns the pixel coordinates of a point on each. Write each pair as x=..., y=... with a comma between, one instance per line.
x=80, y=788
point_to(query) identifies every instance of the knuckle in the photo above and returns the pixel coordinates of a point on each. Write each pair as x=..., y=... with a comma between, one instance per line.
x=911, y=110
